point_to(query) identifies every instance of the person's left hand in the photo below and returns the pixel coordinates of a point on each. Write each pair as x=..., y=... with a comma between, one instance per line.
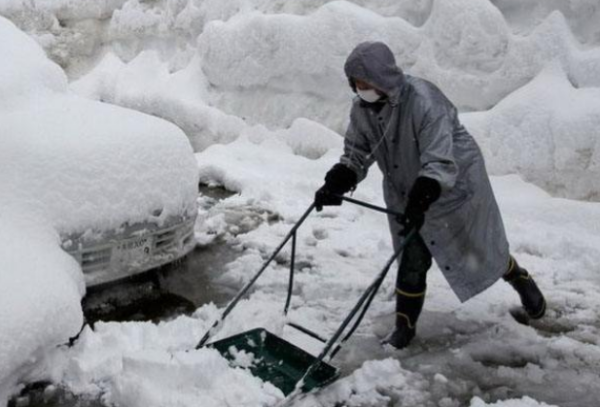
x=413, y=218
x=423, y=193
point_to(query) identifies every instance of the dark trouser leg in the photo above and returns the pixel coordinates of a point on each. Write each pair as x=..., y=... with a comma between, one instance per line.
x=410, y=291
x=531, y=297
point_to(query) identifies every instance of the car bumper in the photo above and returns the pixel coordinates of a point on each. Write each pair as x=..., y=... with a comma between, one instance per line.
x=113, y=256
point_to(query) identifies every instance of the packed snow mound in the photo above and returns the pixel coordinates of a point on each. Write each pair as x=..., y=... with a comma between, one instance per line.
x=147, y=85
x=214, y=69
x=40, y=290
x=305, y=57
x=547, y=131
x=156, y=379
x=29, y=71
x=62, y=9
x=582, y=15
x=40, y=285
x=293, y=52
x=468, y=37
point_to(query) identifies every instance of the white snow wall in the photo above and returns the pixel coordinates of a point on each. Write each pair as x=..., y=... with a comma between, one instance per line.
x=215, y=67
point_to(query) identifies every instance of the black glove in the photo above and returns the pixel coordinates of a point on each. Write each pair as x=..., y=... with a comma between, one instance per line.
x=338, y=180
x=424, y=192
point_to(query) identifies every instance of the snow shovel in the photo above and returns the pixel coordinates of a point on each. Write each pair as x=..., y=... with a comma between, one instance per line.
x=279, y=362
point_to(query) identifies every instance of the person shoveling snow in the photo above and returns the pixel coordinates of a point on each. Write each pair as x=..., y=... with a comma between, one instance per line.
x=431, y=165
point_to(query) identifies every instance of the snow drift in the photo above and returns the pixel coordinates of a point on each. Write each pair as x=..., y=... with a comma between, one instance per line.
x=213, y=68
x=546, y=131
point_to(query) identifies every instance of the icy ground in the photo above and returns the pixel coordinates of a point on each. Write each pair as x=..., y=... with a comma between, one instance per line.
x=257, y=86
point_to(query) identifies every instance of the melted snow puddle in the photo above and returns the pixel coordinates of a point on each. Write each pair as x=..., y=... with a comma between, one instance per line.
x=50, y=395
x=176, y=289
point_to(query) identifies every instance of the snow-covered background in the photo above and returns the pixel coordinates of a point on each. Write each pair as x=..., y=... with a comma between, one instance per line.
x=257, y=86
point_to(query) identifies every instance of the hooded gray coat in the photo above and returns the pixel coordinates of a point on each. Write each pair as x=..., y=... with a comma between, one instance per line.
x=417, y=133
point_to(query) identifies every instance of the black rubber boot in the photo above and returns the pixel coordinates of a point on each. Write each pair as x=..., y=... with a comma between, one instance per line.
x=408, y=309
x=531, y=297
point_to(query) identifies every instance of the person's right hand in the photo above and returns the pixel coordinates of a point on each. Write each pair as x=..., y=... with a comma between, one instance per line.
x=324, y=197
x=338, y=180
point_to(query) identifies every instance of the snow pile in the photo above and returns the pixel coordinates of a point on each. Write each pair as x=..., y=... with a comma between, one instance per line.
x=146, y=84
x=212, y=68
x=40, y=289
x=40, y=285
x=547, y=132
x=142, y=364
x=581, y=15
x=465, y=47
x=68, y=164
x=304, y=55
x=29, y=71
x=156, y=379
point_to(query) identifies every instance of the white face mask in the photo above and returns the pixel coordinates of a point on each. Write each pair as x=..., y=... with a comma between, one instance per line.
x=368, y=95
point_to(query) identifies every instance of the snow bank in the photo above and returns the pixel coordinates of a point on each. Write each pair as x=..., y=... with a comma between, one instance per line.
x=156, y=379
x=29, y=71
x=582, y=16
x=40, y=289
x=465, y=47
x=291, y=54
x=304, y=55
x=547, y=132
x=145, y=84
x=40, y=285
x=215, y=68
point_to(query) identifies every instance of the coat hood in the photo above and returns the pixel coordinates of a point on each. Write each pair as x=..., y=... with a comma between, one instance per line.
x=374, y=63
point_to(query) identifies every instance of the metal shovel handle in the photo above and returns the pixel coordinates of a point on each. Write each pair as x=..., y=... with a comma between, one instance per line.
x=361, y=306
x=250, y=283
x=370, y=206
x=292, y=235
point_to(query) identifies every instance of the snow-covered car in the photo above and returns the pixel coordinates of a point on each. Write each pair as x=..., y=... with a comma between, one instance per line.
x=117, y=185
x=83, y=174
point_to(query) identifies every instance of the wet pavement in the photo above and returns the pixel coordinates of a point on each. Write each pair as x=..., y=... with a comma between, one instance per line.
x=165, y=293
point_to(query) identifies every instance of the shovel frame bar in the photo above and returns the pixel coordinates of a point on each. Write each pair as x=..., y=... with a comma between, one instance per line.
x=337, y=340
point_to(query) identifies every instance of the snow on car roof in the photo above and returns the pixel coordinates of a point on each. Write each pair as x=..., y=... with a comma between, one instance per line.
x=86, y=163
x=90, y=164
